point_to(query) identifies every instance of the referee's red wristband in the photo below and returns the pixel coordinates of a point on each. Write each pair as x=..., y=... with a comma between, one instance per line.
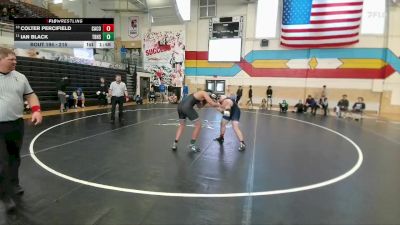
x=35, y=108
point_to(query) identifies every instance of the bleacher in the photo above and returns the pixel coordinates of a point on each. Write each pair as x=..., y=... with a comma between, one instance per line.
x=43, y=75
x=36, y=11
x=22, y=10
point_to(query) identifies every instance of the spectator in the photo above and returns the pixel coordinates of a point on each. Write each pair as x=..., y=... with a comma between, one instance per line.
x=358, y=108
x=283, y=107
x=123, y=51
x=250, y=101
x=269, y=97
x=70, y=101
x=4, y=13
x=102, y=92
x=139, y=100
x=185, y=91
x=263, y=103
x=62, y=96
x=79, y=98
x=342, y=107
x=324, y=92
x=299, y=107
x=162, y=91
x=323, y=102
x=152, y=96
x=311, y=103
x=239, y=94
x=12, y=14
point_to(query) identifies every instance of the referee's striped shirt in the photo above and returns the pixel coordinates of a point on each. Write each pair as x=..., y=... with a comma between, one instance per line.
x=13, y=87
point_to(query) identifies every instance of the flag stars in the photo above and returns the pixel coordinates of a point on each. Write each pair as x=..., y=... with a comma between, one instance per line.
x=296, y=11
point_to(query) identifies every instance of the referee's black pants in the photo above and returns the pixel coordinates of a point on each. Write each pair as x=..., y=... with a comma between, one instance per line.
x=114, y=101
x=11, y=136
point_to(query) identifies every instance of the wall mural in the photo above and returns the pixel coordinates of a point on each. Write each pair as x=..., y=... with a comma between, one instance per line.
x=164, y=54
x=356, y=63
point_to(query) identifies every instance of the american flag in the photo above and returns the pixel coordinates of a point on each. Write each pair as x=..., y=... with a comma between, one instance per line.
x=320, y=23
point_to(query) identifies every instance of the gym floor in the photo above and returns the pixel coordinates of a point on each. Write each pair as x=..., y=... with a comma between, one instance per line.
x=297, y=169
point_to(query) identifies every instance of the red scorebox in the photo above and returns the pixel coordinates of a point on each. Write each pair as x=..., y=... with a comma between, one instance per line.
x=108, y=27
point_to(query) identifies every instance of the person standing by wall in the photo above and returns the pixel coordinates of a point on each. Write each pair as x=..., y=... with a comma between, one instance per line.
x=61, y=92
x=119, y=94
x=162, y=91
x=103, y=90
x=269, y=97
x=250, y=101
x=239, y=94
x=324, y=92
x=14, y=87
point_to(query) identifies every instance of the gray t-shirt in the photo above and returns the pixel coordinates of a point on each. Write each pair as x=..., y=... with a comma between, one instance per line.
x=13, y=87
x=118, y=89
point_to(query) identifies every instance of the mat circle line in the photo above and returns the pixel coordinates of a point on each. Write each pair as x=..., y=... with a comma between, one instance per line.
x=202, y=195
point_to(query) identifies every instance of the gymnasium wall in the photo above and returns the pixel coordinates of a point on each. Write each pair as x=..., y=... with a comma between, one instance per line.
x=369, y=69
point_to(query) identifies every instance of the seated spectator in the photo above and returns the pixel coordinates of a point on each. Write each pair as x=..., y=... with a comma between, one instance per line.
x=12, y=14
x=358, y=108
x=342, y=107
x=299, y=107
x=263, y=103
x=102, y=92
x=323, y=103
x=79, y=98
x=69, y=103
x=311, y=103
x=4, y=13
x=139, y=100
x=283, y=107
x=152, y=96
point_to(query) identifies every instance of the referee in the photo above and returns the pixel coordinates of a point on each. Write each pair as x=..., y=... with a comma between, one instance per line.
x=119, y=94
x=14, y=87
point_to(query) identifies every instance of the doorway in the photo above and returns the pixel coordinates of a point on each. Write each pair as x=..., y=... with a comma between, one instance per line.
x=144, y=86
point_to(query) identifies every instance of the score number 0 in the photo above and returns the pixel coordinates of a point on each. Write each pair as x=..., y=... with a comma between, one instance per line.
x=108, y=27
